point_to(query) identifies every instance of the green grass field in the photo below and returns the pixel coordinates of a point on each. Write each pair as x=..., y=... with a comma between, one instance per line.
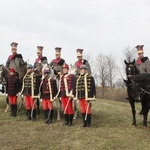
x=111, y=129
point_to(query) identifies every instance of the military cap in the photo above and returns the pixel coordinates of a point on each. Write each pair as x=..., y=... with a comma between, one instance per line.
x=58, y=50
x=139, y=48
x=40, y=48
x=14, y=45
x=29, y=66
x=83, y=67
x=65, y=66
x=79, y=52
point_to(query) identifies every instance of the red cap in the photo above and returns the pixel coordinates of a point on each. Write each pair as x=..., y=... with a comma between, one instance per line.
x=65, y=66
x=12, y=70
x=79, y=52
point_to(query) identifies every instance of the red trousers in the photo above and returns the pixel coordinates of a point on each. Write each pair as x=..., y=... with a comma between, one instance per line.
x=67, y=105
x=85, y=106
x=30, y=104
x=13, y=100
x=47, y=104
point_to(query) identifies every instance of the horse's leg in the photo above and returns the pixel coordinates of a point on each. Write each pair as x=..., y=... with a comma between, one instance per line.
x=75, y=109
x=132, y=103
x=145, y=109
x=58, y=107
x=38, y=106
x=7, y=102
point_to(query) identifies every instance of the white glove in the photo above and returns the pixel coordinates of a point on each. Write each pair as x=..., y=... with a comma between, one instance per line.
x=40, y=100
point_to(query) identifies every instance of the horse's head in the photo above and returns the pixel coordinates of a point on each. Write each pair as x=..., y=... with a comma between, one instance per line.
x=131, y=68
x=73, y=69
x=47, y=66
x=4, y=72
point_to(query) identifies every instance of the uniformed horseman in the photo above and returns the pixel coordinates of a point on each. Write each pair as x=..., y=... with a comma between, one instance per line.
x=40, y=61
x=142, y=63
x=81, y=61
x=12, y=90
x=48, y=90
x=57, y=63
x=66, y=92
x=85, y=92
x=15, y=60
x=30, y=89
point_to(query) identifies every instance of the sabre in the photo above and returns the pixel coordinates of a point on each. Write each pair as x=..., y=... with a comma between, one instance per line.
x=67, y=105
x=32, y=108
x=87, y=109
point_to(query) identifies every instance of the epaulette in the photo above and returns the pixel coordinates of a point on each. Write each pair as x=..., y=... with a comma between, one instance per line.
x=61, y=62
x=43, y=58
x=84, y=61
x=18, y=56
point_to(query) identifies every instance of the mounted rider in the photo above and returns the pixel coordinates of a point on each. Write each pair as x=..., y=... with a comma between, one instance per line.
x=38, y=64
x=57, y=63
x=142, y=63
x=86, y=93
x=81, y=61
x=15, y=60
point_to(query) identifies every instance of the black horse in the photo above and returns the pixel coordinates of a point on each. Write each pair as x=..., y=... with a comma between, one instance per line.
x=131, y=70
x=138, y=88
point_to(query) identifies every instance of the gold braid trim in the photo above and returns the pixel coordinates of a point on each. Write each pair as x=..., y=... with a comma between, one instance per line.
x=85, y=85
x=77, y=87
x=50, y=89
x=23, y=83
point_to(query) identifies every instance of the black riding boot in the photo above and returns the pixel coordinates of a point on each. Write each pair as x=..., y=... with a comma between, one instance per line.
x=34, y=115
x=28, y=114
x=12, y=109
x=66, y=120
x=50, y=117
x=46, y=114
x=15, y=110
x=88, y=120
x=70, y=120
x=84, y=121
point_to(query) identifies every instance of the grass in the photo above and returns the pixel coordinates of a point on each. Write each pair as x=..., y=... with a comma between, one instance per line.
x=111, y=129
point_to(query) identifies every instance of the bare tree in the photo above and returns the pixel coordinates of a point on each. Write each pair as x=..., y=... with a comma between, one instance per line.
x=129, y=54
x=101, y=71
x=112, y=67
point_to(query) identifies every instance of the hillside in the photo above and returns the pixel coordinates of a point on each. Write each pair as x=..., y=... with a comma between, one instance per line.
x=111, y=129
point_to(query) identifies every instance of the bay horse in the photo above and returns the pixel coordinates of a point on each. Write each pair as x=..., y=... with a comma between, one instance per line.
x=131, y=70
x=139, y=88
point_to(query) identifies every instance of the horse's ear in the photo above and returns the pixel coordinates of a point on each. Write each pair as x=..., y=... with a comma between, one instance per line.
x=133, y=61
x=125, y=80
x=125, y=62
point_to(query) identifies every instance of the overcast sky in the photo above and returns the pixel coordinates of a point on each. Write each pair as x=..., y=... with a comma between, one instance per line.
x=106, y=26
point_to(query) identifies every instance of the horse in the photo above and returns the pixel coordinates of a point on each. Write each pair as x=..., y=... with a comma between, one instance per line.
x=131, y=70
x=139, y=88
x=4, y=73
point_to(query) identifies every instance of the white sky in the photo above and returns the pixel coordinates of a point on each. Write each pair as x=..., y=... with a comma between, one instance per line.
x=106, y=26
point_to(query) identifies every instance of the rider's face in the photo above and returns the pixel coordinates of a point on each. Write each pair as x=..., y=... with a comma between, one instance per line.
x=79, y=57
x=65, y=70
x=14, y=51
x=141, y=55
x=57, y=55
x=39, y=53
